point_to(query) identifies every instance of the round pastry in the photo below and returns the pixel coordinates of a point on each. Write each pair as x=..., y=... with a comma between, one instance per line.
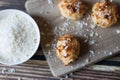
x=104, y=14
x=72, y=9
x=68, y=48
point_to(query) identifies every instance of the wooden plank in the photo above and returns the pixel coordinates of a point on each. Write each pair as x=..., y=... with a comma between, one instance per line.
x=115, y=58
x=42, y=57
x=51, y=25
x=39, y=70
x=12, y=4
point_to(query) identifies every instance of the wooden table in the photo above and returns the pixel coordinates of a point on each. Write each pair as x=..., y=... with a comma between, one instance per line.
x=38, y=69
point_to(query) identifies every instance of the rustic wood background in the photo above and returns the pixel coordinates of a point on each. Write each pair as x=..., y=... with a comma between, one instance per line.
x=38, y=69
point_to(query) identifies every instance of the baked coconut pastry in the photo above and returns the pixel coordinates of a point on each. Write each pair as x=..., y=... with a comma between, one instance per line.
x=68, y=48
x=105, y=14
x=72, y=9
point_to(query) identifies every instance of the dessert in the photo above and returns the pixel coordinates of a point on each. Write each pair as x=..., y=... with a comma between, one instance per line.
x=68, y=48
x=72, y=9
x=105, y=14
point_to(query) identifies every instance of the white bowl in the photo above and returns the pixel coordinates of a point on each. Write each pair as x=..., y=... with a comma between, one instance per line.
x=34, y=30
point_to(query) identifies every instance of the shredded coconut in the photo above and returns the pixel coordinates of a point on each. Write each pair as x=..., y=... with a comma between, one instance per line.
x=91, y=34
x=19, y=78
x=110, y=53
x=92, y=52
x=47, y=45
x=66, y=76
x=92, y=42
x=111, y=0
x=50, y=1
x=12, y=70
x=17, y=38
x=118, y=31
x=96, y=34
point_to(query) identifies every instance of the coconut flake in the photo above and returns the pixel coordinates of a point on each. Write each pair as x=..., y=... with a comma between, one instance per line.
x=93, y=26
x=92, y=52
x=65, y=25
x=80, y=24
x=87, y=60
x=111, y=0
x=100, y=36
x=118, y=31
x=92, y=42
x=86, y=40
x=71, y=74
x=117, y=47
x=50, y=1
x=92, y=34
x=64, y=42
x=110, y=53
x=96, y=34
x=47, y=45
x=64, y=53
x=19, y=78
x=66, y=47
x=12, y=70
x=62, y=17
x=105, y=52
x=66, y=76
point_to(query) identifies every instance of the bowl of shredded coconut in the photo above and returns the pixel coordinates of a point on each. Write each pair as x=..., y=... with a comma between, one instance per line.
x=19, y=37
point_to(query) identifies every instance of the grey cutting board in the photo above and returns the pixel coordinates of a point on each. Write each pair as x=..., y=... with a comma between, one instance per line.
x=96, y=44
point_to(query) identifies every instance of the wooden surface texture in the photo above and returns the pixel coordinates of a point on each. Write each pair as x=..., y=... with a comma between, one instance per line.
x=38, y=69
